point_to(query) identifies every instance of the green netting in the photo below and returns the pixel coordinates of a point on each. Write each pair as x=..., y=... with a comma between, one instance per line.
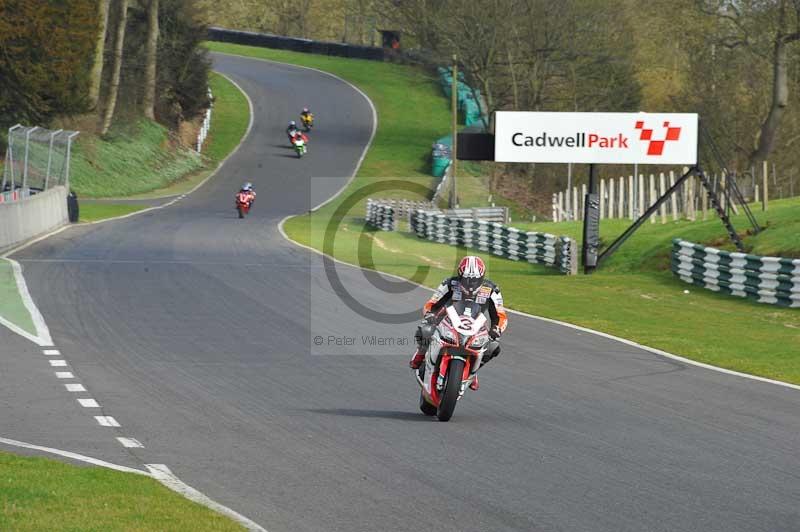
x=468, y=104
x=439, y=165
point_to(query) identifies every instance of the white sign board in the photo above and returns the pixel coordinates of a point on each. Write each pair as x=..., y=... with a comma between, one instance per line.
x=609, y=138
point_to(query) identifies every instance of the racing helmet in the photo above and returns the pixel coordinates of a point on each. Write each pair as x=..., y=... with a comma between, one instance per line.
x=247, y=186
x=471, y=272
x=305, y=109
x=292, y=123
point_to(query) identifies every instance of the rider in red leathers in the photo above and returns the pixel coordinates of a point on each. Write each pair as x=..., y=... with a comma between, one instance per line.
x=246, y=195
x=470, y=283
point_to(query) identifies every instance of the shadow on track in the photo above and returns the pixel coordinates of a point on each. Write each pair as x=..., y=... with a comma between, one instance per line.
x=384, y=414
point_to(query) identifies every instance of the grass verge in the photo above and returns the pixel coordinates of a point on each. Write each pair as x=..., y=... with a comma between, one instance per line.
x=11, y=306
x=93, y=212
x=634, y=296
x=42, y=494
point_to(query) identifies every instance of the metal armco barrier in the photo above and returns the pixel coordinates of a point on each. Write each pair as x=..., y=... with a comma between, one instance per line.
x=771, y=280
x=278, y=42
x=497, y=239
x=489, y=214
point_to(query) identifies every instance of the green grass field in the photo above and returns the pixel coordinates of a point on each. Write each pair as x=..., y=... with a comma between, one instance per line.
x=38, y=494
x=634, y=296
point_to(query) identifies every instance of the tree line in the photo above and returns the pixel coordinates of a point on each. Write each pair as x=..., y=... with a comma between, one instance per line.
x=736, y=63
x=99, y=62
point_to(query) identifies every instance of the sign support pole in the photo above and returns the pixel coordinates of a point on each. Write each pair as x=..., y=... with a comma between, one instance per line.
x=591, y=223
x=454, y=143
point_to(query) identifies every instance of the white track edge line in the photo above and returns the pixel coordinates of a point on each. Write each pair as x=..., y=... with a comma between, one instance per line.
x=653, y=350
x=74, y=456
x=359, y=91
x=158, y=472
x=42, y=338
x=163, y=474
x=25, y=334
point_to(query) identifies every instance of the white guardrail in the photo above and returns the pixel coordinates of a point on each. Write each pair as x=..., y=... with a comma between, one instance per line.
x=33, y=215
x=203, y=133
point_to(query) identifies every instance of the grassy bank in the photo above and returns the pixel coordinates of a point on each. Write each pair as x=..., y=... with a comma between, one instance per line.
x=634, y=296
x=231, y=115
x=141, y=160
x=41, y=494
x=135, y=158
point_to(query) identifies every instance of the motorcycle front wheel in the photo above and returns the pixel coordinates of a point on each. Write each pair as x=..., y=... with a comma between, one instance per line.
x=452, y=388
x=425, y=407
x=241, y=211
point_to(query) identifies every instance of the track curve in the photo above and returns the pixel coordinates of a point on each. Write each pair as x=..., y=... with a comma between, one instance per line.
x=195, y=330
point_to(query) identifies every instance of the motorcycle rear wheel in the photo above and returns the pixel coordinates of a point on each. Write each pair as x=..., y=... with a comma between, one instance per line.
x=241, y=211
x=452, y=387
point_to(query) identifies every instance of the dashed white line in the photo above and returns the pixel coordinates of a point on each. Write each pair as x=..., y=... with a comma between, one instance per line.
x=130, y=442
x=107, y=421
x=64, y=375
x=74, y=387
x=58, y=363
x=50, y=352
x=88, y=403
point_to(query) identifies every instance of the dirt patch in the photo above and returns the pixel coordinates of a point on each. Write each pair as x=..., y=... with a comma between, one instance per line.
x=188, y=131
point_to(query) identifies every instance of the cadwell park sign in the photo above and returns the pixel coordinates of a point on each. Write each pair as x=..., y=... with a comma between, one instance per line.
x=603, y=138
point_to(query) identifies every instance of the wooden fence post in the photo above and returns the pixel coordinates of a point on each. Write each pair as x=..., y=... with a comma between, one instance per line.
x=756, y=193
x=602, y=198
x=652, y=199
x=575, y=210
x=690, y=211
x=621, y=195
x=630, y=196
x=765, y=191
x=674, y=203
x=704, y=201
x=661, y=191
x=610, y=198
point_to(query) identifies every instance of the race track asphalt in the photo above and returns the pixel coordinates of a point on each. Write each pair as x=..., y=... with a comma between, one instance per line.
x=195, y=330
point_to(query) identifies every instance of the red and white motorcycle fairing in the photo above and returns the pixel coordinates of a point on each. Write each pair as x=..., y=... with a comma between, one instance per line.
x=458, y=343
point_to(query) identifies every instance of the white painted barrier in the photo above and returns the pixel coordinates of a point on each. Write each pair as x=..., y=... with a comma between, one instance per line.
x=32, y=216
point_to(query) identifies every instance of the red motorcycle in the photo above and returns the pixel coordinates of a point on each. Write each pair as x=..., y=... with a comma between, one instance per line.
x=244, y=201
x=455, y=351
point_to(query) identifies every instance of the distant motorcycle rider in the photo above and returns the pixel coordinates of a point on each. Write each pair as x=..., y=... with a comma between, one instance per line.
x=292, y=129
x=469, y=283
x=246, y=194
